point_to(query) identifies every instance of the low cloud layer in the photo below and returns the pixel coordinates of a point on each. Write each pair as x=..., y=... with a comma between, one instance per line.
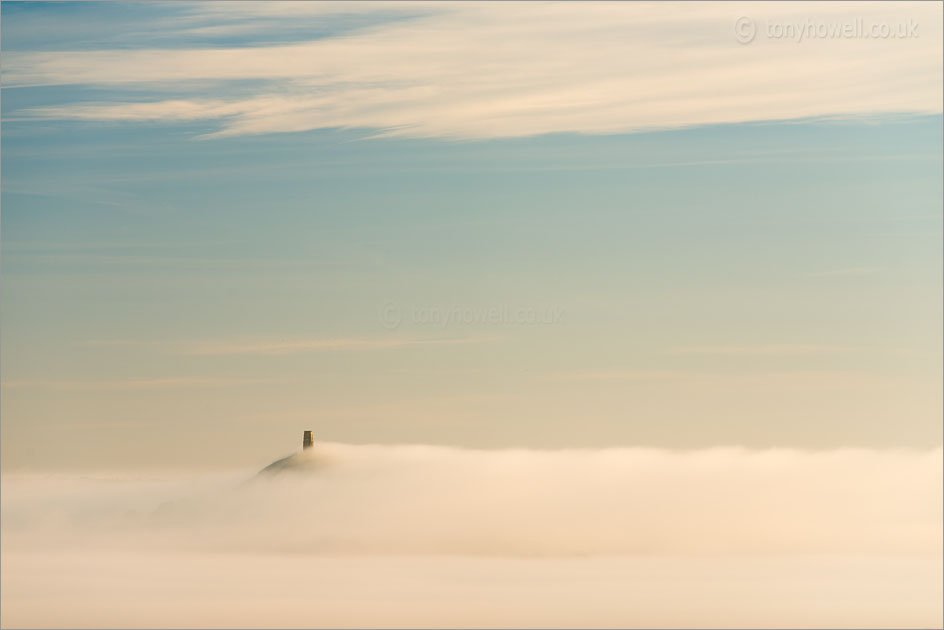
x=343, y=499
x=422, y=536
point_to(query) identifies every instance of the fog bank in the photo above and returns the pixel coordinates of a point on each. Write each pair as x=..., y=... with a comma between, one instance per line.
x=432, y=536
x=439, y=500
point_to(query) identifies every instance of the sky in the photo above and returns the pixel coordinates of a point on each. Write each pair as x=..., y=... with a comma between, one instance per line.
x=612, y=314
x=481, y=225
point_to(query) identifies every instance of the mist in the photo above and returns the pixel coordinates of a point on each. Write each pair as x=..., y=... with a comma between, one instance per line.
x=491, y=532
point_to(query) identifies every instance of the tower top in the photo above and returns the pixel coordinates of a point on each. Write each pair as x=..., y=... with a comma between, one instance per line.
x=307, y=440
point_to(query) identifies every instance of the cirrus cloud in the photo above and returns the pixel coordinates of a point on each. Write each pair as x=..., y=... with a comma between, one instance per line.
x=466, y=71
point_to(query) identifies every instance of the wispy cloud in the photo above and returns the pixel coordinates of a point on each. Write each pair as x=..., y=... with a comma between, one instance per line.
x=134, y=383
x=463, y=70
x=285, y=346
x=621, y=375
x=298, y=346
x=848, y=271
x=770, y=349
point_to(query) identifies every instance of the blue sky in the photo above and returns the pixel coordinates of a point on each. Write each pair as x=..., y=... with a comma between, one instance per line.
x=222, y=266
